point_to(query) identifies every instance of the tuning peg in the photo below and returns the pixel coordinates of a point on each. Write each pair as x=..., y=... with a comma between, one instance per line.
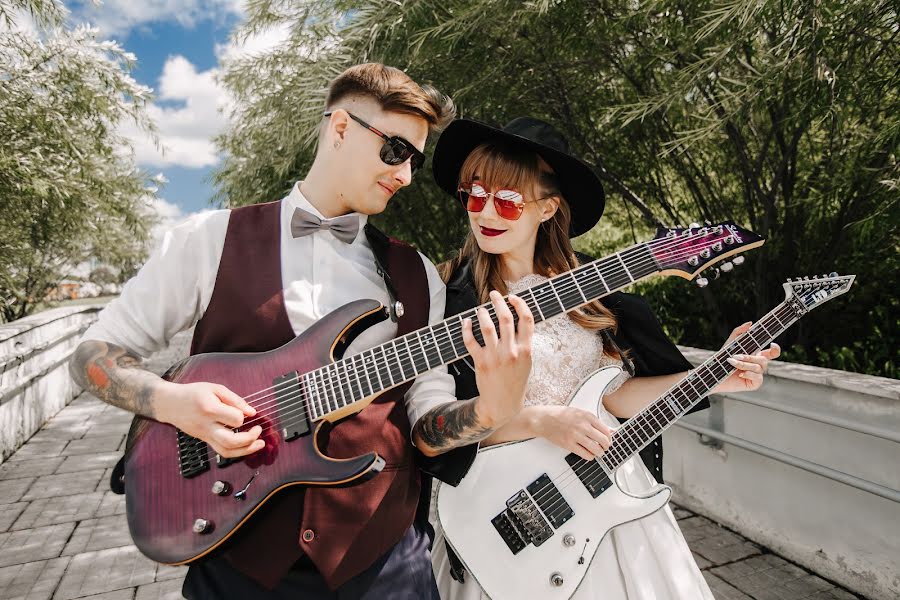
x=833, y=274
x=702, y=282
x=716, y=273
x=694, y=225
x=738, y=260
x=707, y=223
x=790, y=279
x=727, y=267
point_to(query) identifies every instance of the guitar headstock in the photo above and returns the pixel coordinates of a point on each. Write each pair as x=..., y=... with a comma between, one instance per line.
x=685, y=251
x=806, y=294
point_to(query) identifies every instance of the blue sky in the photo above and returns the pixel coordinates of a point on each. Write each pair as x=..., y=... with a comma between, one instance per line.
x=178, y=44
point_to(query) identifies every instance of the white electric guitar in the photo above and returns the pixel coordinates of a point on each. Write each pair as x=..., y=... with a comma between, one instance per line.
x=528, y=517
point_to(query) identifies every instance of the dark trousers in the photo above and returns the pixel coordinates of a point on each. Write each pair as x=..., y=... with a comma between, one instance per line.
x=404, y=573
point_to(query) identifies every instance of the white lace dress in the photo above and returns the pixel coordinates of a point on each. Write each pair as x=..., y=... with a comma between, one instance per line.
x=646, y=559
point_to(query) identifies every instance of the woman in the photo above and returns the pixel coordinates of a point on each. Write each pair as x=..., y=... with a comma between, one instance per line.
x=525, y=197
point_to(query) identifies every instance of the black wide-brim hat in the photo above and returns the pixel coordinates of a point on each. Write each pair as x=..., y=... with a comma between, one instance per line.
x=578, y=183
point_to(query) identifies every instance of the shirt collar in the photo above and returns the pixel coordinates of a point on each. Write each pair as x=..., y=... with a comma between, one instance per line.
x=296, y=199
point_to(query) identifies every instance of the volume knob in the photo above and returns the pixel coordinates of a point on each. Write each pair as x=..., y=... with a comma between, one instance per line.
x=202, y=526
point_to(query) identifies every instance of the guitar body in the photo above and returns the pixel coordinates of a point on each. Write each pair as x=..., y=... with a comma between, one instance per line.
x=163, y=505
x=500, y=472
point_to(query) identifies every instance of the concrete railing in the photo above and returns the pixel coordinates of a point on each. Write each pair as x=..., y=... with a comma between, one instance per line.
x=34, y=378
x=809, y=466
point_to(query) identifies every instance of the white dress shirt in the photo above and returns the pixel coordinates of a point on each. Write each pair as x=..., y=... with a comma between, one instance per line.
x=319, y=273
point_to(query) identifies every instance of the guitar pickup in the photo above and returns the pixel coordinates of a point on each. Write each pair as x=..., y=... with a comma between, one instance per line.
x=291, y=412
x=550, y=501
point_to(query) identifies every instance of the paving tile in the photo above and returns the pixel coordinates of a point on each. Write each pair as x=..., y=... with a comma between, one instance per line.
x=98, y=534
x=34, y=467
x=88, y=462
x=68, y=432
x=32, y=581
x=162, y=590
x=702, y=563
x=714, y=543
x=94, y=445
x=680, y=513
x=165, y=572
x=103, y=484
x=65, y=484
x=9, y=513
x=27, y=545
x=722, y=590
x=770, y=577
x=836, y=594
x=12, y=490
x=105, y=571
x=112, y=416
x=124, y=594
x=112, y=504
x=40, y=449
x=59, y=509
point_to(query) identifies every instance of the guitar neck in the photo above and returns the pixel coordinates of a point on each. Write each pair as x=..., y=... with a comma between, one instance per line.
x=402, y=359
x=640, y=430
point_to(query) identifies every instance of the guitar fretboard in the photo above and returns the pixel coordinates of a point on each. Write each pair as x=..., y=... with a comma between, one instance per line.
x=402, y=359
x=644, y=427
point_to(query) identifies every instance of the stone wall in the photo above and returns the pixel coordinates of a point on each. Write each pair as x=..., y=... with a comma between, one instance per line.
x=34, y=377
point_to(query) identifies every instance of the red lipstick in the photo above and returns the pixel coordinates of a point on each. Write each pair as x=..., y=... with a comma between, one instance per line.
x=491, y=232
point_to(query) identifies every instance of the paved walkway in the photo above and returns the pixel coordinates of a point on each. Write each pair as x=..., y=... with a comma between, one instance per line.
x=63, y=535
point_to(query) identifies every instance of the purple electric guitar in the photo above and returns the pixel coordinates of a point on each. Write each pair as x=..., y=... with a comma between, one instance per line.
x=183, y=501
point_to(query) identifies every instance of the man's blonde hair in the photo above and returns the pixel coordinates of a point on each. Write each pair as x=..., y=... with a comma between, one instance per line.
x=394, y=91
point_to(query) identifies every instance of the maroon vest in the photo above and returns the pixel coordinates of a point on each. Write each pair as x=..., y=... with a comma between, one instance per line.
x=342, y=530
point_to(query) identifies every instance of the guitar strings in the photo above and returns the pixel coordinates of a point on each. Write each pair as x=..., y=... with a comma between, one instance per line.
x=569, y=476
x=442, y=340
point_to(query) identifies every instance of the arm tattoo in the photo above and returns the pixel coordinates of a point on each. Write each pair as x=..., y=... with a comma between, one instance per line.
x=115, y=376
x=451, y=425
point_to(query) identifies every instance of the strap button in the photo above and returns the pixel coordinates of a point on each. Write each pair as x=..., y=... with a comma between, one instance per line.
x=308, y=535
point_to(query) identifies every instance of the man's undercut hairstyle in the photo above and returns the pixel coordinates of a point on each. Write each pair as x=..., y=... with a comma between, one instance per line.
x=395, y=91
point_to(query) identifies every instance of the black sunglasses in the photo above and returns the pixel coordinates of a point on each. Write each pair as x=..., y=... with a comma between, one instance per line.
x=395, y=150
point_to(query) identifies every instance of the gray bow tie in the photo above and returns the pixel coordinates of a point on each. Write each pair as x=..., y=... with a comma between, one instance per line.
x=343, y=228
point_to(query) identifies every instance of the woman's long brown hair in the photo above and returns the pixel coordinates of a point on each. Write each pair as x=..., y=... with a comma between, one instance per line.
x=499, y=165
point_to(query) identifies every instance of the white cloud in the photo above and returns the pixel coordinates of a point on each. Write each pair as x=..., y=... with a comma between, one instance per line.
x=118, y=17
x=188, y=113
x=170, y=215
x=253, y=45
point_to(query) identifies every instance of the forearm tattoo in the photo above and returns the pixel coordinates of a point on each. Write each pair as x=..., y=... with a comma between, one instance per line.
x=115, y=376
x=451, y=425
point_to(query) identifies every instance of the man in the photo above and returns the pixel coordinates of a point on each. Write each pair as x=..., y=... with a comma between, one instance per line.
x=254, y=277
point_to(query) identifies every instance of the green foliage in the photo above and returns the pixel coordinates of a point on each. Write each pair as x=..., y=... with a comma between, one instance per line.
x=67, y=190
x=783, y=116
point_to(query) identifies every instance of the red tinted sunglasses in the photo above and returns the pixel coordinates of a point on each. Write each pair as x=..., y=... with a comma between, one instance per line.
x=509, y=204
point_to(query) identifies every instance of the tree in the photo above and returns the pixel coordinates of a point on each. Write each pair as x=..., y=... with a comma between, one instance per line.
x=69, y=188
x=784, y=116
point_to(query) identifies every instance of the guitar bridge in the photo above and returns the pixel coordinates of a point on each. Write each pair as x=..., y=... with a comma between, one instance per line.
x=529, y=516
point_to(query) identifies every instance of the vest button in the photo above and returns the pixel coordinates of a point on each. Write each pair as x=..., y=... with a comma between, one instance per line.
x=308, y=535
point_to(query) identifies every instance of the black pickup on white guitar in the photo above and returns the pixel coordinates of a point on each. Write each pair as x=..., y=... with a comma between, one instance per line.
x=528, y=517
